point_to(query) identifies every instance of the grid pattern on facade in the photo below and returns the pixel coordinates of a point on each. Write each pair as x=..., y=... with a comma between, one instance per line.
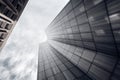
x=86, y=32
x=54, y=66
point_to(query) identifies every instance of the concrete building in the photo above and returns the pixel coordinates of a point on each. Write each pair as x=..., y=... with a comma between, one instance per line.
x=83, y=42
x=10, y=11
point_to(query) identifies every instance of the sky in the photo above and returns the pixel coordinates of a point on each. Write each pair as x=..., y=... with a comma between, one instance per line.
x=18, y=59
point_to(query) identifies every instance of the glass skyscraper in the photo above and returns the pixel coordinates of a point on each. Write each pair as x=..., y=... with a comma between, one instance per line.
x=83, y=42
x=10, y=11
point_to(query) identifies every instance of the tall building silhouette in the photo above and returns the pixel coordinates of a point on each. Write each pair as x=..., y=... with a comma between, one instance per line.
x=10, y=11
x=83, y=42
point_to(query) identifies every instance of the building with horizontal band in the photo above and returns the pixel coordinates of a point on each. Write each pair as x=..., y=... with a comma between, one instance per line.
x=10, y=11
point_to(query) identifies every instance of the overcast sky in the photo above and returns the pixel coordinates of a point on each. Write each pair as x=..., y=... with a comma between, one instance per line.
x=18, y=59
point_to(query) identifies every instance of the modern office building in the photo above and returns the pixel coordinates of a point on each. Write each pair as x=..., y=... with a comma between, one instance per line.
x=83, y=42
x=10, y=11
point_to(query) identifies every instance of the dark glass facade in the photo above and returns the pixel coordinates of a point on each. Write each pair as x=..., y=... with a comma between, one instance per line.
x=83, y=42
x=10, y=11
x=55, y=66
